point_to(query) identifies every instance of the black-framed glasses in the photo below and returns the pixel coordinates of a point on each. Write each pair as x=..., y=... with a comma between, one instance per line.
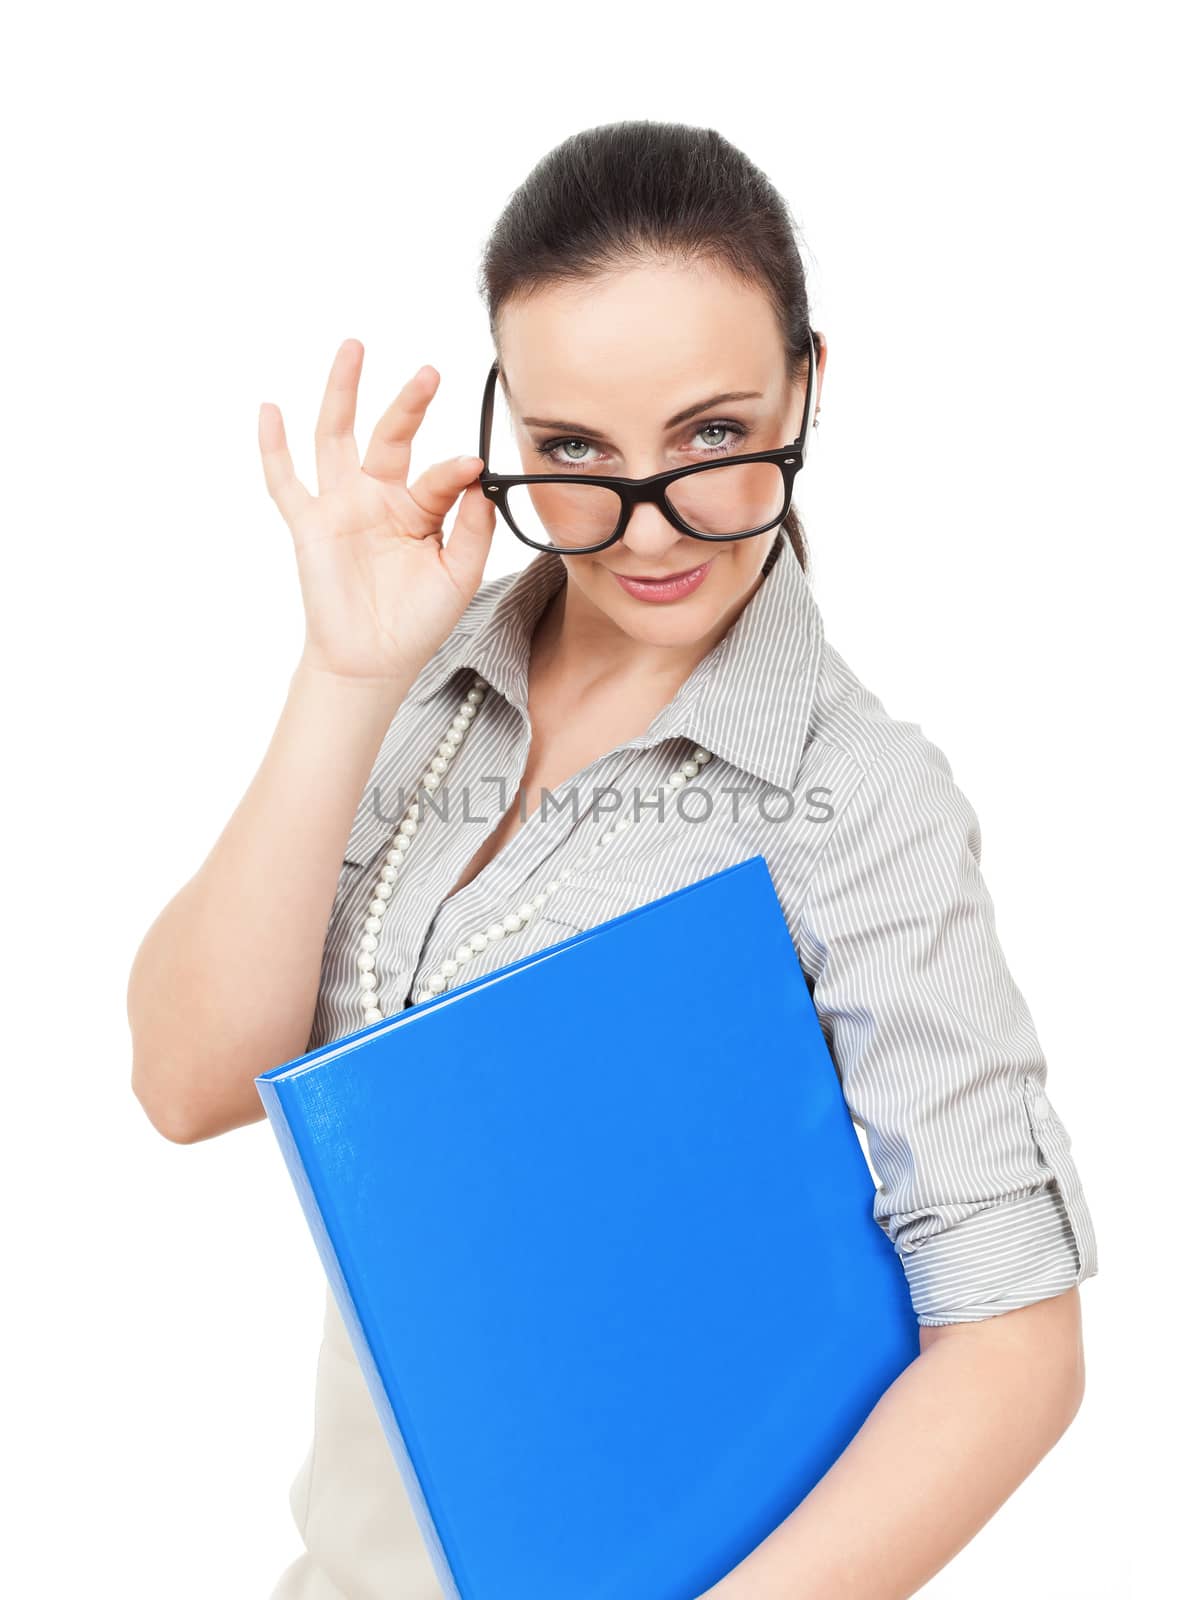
x=737, y=497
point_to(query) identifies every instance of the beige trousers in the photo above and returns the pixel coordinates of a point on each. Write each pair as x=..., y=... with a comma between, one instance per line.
x=361, y=1536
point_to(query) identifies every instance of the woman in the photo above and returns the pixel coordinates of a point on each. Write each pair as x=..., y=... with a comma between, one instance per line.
x=648, y=307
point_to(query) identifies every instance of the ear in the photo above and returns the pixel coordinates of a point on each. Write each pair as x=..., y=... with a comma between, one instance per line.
x=822, y=352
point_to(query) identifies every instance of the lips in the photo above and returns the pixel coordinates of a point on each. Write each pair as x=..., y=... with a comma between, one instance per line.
x=670, y=577
x=675, y=586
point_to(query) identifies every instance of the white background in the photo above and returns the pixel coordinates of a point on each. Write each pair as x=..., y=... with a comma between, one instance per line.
x=997, y=207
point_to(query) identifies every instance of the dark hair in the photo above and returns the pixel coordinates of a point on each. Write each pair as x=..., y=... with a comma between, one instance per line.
x=610, y=195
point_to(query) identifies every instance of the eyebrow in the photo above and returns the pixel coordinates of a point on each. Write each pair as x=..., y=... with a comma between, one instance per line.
x=672, y=422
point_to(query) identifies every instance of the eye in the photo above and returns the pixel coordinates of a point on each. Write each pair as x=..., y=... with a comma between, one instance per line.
x=547, y=452
x=733, y=434
x=733, y=431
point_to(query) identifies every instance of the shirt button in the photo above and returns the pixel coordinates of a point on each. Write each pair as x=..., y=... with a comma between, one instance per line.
x=1041, y=1106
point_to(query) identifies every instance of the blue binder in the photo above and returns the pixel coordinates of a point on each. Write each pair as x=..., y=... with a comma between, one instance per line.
x=600, y=1229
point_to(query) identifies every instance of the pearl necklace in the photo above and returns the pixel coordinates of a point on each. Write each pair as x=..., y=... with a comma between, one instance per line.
x=475, y=943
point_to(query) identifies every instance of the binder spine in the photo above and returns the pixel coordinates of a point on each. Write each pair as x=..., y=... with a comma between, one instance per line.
x=331, y=1260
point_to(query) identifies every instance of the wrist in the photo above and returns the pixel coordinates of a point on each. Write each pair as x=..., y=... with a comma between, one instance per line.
x=385, y=690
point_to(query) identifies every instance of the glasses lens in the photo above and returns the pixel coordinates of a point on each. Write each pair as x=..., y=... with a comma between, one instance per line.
x=722, y=501
x=564, y=516
x=729, y=499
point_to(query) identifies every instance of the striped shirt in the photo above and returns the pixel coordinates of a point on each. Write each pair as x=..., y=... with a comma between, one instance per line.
x=874, y=853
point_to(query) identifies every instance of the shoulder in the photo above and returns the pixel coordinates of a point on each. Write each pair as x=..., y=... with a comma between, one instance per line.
x=483, y=601
x=891, y=788
x=849, y=721
x=479, y=609
x=478, y=614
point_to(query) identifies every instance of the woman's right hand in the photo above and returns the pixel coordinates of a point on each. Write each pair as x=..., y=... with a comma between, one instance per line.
x=381, y=589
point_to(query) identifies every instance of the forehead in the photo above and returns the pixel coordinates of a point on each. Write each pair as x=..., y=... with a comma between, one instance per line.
x=648, y=339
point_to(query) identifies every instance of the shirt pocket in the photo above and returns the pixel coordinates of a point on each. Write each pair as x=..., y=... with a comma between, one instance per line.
x=600, y=893
x=589, y=899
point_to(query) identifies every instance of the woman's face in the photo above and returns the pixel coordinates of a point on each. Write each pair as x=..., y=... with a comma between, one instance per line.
x=617, y=358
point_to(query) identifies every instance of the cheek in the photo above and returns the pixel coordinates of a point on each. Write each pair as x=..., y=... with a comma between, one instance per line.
x=743, y=565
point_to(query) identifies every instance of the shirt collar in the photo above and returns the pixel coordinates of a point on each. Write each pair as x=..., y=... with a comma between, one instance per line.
x=748, y=701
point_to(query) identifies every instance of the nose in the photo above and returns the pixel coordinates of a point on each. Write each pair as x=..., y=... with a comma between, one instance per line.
x=648, y=533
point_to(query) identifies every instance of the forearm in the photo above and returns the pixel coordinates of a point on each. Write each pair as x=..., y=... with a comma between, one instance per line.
x=224, y=983
x=943, y=1448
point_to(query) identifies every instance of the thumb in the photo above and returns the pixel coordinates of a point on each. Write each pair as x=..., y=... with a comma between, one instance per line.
x=439, y=486
x=465, y=553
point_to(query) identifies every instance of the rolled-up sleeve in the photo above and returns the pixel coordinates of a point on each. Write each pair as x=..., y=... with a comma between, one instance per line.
x=940, y=1065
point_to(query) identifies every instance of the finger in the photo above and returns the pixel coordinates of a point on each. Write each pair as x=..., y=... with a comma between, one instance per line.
x=337, y=453
x=466, y=553
x=389, y=453
x=284, y=487
x=439, y=486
